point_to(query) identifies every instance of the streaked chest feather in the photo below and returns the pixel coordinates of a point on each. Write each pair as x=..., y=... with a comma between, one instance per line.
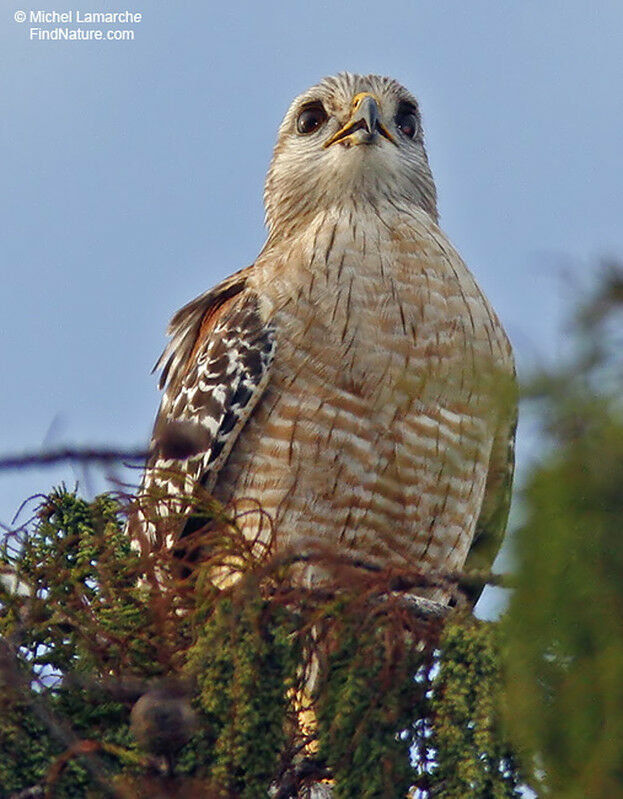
x=386, y=312
x=382, y=404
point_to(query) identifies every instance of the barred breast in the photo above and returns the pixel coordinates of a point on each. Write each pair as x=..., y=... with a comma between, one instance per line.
x=377, y=428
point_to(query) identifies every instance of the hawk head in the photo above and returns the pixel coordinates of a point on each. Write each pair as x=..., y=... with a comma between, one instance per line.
x=349, y=140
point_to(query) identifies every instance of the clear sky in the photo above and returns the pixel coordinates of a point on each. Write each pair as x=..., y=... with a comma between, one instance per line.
x=132, y=176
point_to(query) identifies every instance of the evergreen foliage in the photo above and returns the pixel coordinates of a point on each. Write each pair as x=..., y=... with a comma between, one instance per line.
x=75, y=620
x=88, y=634
x=245, y=663
x=474, y=757
x=565, y=625
x=369, y=704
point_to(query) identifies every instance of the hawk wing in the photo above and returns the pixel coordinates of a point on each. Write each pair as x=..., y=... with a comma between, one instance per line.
x=491, y=524
x=214, y=370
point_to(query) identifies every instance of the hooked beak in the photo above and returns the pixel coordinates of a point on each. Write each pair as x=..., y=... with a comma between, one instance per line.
x=364, y=125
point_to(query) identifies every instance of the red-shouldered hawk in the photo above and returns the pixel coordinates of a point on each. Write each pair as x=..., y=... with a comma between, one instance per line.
x=354, y=381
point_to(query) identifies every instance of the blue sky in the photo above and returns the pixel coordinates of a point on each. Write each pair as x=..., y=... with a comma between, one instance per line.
x=133, y=176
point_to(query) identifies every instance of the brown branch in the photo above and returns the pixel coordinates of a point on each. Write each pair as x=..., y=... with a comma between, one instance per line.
x=404, y=580
x=77, y=455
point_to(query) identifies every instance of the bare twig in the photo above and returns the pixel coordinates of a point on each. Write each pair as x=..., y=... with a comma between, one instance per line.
x=75, y=454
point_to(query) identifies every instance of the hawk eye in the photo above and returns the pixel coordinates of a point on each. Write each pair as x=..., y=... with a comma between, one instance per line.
x=406, y=121
x=311, y=118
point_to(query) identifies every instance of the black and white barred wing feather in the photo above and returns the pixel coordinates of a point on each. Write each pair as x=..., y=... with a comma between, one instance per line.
x=214, y=371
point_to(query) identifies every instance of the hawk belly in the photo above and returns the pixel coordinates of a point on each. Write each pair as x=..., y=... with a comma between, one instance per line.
x=377, y=426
